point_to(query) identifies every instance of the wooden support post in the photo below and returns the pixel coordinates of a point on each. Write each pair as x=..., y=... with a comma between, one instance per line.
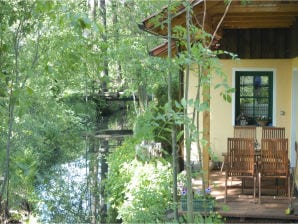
x=206, y=132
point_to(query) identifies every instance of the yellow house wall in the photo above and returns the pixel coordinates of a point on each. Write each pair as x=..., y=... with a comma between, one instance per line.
x=221, y=119
x=295, y=68
x=193, y=80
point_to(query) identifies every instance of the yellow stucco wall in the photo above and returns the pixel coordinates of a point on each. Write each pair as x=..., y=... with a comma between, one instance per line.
x=221, y=121
x=295, y=68
x=295, y=62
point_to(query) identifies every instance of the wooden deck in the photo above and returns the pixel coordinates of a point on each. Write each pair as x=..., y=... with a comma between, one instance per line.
x=241, y=207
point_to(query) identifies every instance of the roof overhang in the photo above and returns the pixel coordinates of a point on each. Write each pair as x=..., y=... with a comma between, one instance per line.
x=264, y=14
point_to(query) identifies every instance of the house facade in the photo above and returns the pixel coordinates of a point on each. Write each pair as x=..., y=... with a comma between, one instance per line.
x=284, y=108
x=264, y=34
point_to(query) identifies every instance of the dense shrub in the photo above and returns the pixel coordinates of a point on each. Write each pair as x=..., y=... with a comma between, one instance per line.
x=137, y=191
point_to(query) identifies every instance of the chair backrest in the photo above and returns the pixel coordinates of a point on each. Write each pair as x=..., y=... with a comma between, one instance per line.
x=273, y=132
x=245, y=132
x=240, y=159
x=274, y=157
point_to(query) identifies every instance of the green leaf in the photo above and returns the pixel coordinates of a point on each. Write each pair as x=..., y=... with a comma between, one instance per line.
x=229, y=98
x=168, y=130
x=178, y=105
x=180, y=135
x=29, y=90
x=183, y=102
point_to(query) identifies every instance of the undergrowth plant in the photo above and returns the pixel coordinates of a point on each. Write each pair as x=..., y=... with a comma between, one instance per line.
x=137, y=191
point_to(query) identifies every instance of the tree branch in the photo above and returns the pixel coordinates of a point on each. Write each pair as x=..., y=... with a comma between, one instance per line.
x=220, y=22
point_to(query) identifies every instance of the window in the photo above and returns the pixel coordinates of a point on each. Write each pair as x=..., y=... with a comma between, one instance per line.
x=253, y=98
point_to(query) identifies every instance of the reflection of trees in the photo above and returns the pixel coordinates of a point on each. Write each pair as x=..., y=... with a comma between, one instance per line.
x=257, y=87
x=261, y=94
x=254, y=92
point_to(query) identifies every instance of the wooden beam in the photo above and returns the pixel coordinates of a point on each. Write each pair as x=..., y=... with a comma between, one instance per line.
x=272, y=13
x=113, y=134
x=162, y=50
x=257, y=15
x=251, y=18
x=255, y=25
x=257, y=8
x=206, y=131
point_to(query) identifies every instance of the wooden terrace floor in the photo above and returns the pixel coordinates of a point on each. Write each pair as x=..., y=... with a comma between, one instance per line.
x=241, y=207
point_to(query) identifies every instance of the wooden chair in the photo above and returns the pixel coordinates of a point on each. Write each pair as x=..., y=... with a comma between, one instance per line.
x=240, y=161
x=245, y=132
x=272, y=132
x=274, y=162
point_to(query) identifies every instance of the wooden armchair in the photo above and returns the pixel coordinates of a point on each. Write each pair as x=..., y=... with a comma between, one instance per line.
x=245, y=132
x=274, y=162
x=272, y=132
x=240, y=161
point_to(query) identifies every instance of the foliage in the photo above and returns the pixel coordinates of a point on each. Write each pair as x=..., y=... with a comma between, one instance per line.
x=116, y=180
x=124, y=153
x=137, y=191
x=148, y=192
x=144, y=126
x=263, y=118
x=199, y=59
x=214, y=218
x=52, y=57
x=198, y=194
x=46, y=130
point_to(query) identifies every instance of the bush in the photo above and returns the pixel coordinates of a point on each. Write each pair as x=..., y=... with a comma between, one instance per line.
x=148, y=193
x=137, y=191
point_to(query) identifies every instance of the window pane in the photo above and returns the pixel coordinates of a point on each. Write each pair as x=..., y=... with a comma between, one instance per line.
x=254, y=95
x=246, y=91
x=246, y=80
x=261, y=109
x=262, y=101
x=265, y=80
x=261, y=92
x=246, y=106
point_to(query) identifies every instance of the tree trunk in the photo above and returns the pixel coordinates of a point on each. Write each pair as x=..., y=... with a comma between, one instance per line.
x=142, y=92
x=173, y=134
x=116, y=36
x=103, y=17
x=104, y=146
x=94, y=145
x=105, y=120
x=93, y=175
x=11, y=108
x=190, y=214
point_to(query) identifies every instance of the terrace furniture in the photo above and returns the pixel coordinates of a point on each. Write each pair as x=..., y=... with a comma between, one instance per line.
x=274, y=162
x=245, y=132
x=273, y=132
x=240, y=161
x=242, y=132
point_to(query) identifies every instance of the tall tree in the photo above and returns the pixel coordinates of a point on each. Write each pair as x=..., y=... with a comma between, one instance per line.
x=16, y=78
x=53, y=62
